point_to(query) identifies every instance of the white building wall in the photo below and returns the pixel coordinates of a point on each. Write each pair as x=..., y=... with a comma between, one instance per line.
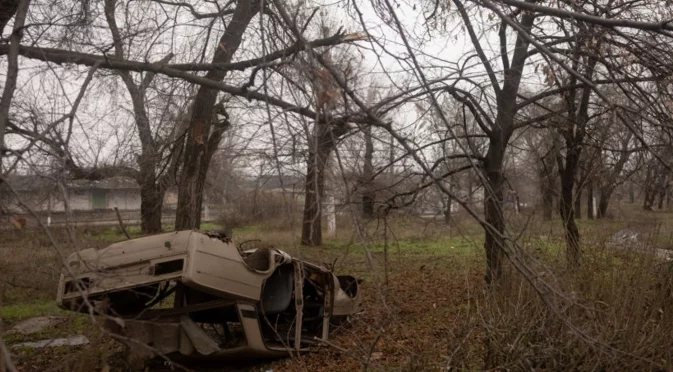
x=123, y=199
x=79, y=200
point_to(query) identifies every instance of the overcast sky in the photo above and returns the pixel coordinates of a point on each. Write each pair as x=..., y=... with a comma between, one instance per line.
x=104, y=127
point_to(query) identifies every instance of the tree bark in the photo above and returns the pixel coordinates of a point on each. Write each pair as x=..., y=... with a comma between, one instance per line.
x=368, y=196
x=320, y=148
x=603, y=201
x=578, y=202
x=590, y=201
x=647, y=205
x=152, y=190
x=612, y=179
x=648, y=202
x=567, y=206
x=447, y=211
x=7, y=10
x=547, y=204
x=151, y=206
x=201, y=145
x=574, y=132
x=546, y=179
x=499, y=135
x=493, y=202
x=447, y=207
x=662, y=194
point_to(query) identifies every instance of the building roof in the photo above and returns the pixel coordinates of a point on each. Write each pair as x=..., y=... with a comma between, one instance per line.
x=112, y=183
x=37, y=182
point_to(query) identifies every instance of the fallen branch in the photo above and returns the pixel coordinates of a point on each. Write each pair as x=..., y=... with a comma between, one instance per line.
x=121, y=223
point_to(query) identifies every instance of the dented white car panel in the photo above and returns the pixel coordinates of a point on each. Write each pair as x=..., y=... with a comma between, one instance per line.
x=225, y=303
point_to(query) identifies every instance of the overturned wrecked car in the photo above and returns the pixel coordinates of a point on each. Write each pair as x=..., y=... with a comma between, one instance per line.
x=225, y=302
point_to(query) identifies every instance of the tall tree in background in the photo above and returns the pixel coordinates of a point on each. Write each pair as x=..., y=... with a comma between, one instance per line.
x=152, y=187
x=321, y=143
x=367, y=177
x=206, y=128
x=499, y=133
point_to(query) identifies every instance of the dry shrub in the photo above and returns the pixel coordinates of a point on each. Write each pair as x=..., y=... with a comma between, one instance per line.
x=623, y=304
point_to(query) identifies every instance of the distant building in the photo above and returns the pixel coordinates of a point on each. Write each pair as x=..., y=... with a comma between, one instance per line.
x=42, y=194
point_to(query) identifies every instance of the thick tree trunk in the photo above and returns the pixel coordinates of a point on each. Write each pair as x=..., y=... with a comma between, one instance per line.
x=573, y=253
x=578, y=116
x=319, y=151
x=572, y=233
x=493, y=202
x=200, y=145
x=151, y=204
x=7, y=10
x=151, y=189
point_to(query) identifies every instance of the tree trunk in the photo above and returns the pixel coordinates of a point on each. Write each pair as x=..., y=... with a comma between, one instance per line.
x=546, y=189
x=648, y=202
x=662, y=195
x=603, y=202
x=151, y=204
x=447, y=207
x=574, y=137
x=567, y=214
x=493, y=202
x=578, y=203
x=200, y=145
x=590, y=201
x=547, y=204
x=319, y=151
x=7, y=10
x=647, y=205
x=368, y=196
x=632, y=193
x=568, y=176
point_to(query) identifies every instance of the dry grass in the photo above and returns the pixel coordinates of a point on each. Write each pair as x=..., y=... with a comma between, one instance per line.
x=434, y=312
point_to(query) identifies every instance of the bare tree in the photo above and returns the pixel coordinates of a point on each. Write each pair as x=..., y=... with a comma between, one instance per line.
x=205, y=133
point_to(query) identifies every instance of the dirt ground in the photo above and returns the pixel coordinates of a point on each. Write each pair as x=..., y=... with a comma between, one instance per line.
x=425, y=307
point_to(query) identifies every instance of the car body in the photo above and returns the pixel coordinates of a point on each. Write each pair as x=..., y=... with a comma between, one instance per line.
x=226, y=302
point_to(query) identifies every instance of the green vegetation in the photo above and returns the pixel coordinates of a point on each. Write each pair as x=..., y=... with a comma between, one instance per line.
x=434, y=298
x=17, y=312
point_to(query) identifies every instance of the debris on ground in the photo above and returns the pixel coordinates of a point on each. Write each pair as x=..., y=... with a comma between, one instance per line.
x=34, y=325
x=625, y=236
x=68, y=341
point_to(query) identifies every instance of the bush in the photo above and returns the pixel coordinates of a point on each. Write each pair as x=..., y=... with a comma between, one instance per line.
x=616, y=316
